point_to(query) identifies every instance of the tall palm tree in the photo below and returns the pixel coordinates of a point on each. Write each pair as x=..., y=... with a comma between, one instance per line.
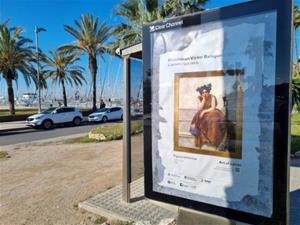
x=16, y=56
x=137, y=12
x=90, y=40
x=296, y=25
x=296, y=69
x=179, y=7
x=60, y=67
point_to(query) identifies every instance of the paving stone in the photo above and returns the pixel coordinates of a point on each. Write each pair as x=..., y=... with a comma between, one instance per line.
x=143, y=211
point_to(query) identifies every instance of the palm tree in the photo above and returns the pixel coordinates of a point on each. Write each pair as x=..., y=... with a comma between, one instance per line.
x=137, y=12
x=296, y=69
x=296, y=25
x=90, y=40
x=16, y=56
x=179, y=7
x=61, y=69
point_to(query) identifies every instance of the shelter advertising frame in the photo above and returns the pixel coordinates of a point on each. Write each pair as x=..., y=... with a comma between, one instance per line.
x=241, y=56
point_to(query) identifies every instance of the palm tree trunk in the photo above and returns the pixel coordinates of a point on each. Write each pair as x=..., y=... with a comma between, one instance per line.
x=11, y=98
x=93, y=69
x=64, y=92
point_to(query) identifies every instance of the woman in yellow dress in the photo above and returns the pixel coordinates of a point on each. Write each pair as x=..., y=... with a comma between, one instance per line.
x=208, y=124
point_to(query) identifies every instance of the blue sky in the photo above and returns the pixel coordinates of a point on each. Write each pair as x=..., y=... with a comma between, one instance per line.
x=53, y=14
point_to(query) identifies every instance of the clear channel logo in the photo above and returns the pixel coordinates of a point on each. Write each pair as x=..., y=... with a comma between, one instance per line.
x=153, y=28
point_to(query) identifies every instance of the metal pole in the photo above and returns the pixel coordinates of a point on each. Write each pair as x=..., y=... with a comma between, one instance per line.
x=38, y=69
x=126, y=172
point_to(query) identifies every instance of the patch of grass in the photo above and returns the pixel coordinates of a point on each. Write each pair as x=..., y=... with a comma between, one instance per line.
x=111, y=132
x=295, y=117
x=115, y=132
x=100, y=220
x=30, y=111
x=84, y=139
x=295, y=142
x=295, y=129
x=295, y=132
x=3, y=154
x=119, y=222
x=109, y=187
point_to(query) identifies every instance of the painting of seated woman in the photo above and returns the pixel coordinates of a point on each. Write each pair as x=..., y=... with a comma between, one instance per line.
x=208, y=113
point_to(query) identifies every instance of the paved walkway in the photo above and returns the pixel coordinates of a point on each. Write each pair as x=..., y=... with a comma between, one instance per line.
x=295, y=192
x=109, y=203
x=140, y=209
x=17, y=125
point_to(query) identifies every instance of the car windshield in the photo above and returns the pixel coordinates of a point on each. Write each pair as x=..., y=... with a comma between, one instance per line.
x=102, y=110
x=48, y=111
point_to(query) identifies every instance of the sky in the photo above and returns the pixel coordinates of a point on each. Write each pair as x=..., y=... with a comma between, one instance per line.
x=52, y=15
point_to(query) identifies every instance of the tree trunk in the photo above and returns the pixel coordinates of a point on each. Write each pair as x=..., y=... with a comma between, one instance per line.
x=64, y=92
x=11, y=98
x=93, y=69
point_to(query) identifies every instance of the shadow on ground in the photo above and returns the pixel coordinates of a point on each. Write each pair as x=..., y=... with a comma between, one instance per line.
x=295, y=207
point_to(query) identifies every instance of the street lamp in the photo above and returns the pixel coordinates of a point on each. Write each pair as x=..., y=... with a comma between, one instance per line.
x=36, y=31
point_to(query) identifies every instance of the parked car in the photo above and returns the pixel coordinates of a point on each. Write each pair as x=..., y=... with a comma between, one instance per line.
x=105, y=114
x=51, y=116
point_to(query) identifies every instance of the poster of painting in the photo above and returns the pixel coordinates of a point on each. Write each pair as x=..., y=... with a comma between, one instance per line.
x=208, y=112
x=212, y=104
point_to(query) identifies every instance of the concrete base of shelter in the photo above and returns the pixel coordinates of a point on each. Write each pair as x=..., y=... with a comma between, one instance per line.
x=140, y=209
x=109, y=204
x=191, y=217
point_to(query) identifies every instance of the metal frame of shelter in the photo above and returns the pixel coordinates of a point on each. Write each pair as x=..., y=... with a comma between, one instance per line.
x=134, y=51
x=282, y=106
x=281, y=133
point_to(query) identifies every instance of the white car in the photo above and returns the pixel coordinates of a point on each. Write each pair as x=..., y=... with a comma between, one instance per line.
x=105, y=114
x=51, y=116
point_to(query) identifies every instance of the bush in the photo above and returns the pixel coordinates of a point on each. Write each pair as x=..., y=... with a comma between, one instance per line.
x=109, y=132
x=3, y=154
x=114, y=132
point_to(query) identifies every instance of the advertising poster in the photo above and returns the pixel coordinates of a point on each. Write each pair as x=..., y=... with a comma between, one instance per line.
x=212, y=94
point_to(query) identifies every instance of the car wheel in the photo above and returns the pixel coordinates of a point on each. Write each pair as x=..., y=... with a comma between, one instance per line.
x=47, y=124
x=122, y=117
x=104, y=119
x=76, y=121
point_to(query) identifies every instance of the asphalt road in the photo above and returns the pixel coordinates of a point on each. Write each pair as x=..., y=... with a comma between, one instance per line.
x=22, y=136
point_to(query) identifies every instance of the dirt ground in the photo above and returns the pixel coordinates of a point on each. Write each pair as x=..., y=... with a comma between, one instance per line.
x=42, y=184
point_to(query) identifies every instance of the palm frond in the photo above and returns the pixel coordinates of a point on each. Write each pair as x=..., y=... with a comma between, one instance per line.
x=60, y=68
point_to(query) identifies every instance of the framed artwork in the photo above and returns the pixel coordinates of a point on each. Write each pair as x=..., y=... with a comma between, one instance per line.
x=216, y=111
x=208, y=114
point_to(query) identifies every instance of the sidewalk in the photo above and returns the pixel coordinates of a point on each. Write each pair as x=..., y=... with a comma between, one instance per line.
x=140, y=209
x=9, y=126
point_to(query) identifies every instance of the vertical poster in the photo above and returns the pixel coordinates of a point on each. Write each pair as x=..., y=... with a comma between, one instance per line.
x=212, y=110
